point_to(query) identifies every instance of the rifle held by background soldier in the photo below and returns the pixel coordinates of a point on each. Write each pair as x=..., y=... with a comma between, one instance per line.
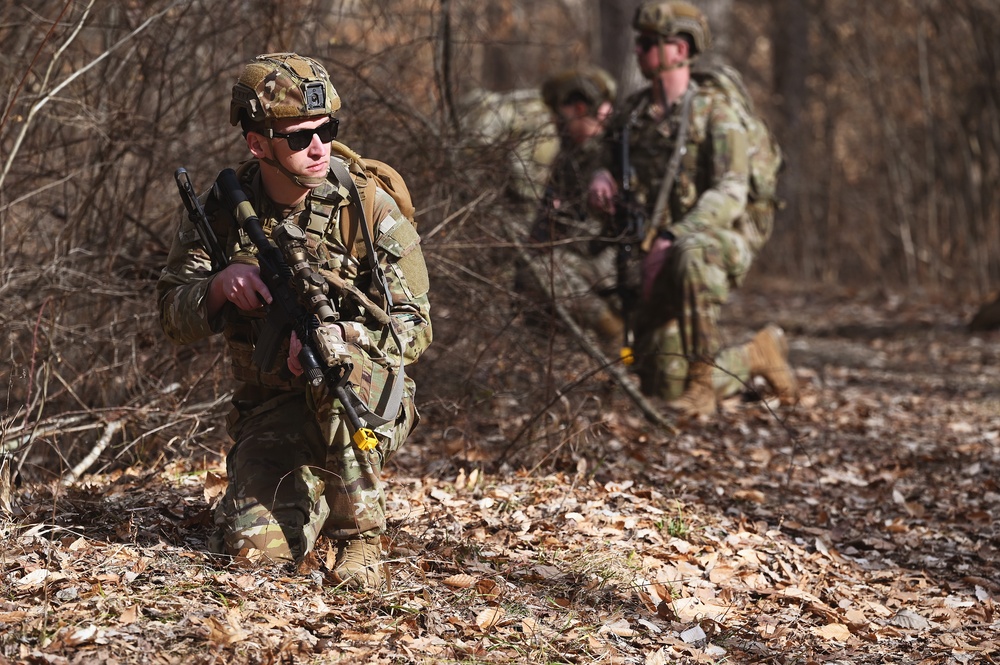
x=630, y=225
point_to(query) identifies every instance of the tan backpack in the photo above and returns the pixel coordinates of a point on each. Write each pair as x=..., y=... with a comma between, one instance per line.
x=366, y=175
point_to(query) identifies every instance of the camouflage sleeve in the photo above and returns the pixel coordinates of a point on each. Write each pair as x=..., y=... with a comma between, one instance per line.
x=724, y=199
x=182, y=288
x=401, y=259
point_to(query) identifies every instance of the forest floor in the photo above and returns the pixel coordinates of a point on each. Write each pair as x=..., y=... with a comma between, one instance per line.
x=860, y=526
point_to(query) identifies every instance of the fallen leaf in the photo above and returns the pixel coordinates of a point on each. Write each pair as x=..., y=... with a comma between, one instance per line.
x=659, y=657
x=911, y=620
x=215, y=486
x=855, y=618
x=308, y=564
x=460, y=581
x=720, y=574
x=694, y=634
x=130, y=615
x=750, y=496
x=489, y=617
x=33, y=578
x=488, y=589
x=621, y=628
x=221, y=633
x=79, y=636
x=799, y=594
x=834, y=632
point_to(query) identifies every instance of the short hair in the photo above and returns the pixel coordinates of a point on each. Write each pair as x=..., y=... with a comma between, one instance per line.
x=248, y=125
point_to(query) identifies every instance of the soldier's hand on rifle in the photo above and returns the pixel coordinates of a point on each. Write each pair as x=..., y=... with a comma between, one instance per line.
x=328, y=341
x=240, y=284
x=652, y=264
x=602, y=191
x=294, y=348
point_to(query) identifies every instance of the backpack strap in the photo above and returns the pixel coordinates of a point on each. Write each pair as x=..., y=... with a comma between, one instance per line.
x=364, y=194
x=395, y=396
x=366, y=208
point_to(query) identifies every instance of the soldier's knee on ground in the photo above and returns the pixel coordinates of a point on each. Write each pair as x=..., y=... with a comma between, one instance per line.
x=267, y=538
x=283, y=535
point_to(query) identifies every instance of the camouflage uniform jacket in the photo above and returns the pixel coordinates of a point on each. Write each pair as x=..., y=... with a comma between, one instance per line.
x=712, y=183
x=183, y=285
x=521, y=123
x=563, y=213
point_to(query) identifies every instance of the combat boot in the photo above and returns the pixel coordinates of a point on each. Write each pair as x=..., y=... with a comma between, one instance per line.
x=769, y=359
x=359, y=563
x=699, y=395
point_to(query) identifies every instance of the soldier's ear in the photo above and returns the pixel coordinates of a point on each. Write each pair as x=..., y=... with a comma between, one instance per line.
x=257, y=144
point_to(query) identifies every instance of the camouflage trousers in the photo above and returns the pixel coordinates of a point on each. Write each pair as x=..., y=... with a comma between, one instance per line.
x=295, y=473
x=679, y=322
x=581, y=282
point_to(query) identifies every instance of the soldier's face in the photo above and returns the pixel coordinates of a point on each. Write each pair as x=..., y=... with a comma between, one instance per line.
x=653, y=54
x=576, y=123
x=314, y=159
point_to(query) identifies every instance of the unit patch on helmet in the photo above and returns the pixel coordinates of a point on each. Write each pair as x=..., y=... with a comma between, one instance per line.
x=315, y=96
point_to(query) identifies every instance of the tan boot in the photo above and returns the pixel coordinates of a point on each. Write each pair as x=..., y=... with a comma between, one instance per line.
x=699, y=395
x=359, y=563
x=769, y=359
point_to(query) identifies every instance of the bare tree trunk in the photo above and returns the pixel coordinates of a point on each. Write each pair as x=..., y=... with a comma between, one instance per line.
x=791, y=67
x=615, y=49
x=497, y=74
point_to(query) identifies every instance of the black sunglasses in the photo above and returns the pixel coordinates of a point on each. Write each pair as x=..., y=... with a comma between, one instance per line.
x=646, y=42
x=301, y=139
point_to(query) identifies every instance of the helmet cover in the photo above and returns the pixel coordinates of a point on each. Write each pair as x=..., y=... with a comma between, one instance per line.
x=672, y=18
x=278, y=86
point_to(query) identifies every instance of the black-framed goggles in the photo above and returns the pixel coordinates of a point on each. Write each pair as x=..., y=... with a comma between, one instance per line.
x=301, y=139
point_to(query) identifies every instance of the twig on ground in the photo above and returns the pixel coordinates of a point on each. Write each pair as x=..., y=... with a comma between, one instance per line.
x=109, y=431
x=614, y=369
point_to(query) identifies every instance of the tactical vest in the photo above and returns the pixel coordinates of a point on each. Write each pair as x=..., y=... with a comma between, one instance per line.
x=335, y=243
x=340, y=239
x=320, y=217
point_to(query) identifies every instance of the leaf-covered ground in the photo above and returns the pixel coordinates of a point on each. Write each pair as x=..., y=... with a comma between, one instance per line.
x=858, y=527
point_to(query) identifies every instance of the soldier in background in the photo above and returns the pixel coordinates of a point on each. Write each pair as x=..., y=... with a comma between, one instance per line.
x=690, y=171
x=294, y=471
x=579, y=271
x=519, y=122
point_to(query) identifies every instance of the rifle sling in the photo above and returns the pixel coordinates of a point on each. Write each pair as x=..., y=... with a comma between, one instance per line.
x=673, y=165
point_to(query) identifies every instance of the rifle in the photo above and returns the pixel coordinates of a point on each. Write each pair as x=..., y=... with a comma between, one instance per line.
x=196, y=213
x=630, y=223
x=325, y=358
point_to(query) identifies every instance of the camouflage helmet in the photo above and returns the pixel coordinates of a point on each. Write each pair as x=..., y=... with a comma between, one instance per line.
x=276, y=86
x=592, y=85
x=673, y=18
